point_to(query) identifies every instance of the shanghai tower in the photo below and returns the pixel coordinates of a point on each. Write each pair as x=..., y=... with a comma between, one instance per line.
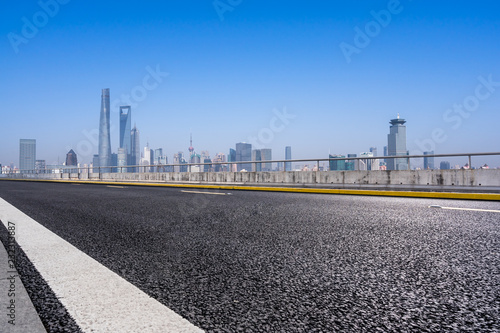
x=104, y=135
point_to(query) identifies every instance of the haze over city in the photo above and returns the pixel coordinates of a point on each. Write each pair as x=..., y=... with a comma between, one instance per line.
x=224, y=71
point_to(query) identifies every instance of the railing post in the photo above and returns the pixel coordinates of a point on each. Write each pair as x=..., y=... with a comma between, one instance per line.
x=470, y=163
x=408, y=163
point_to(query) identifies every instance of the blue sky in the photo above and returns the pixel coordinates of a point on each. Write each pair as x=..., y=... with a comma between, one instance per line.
x=231, y=72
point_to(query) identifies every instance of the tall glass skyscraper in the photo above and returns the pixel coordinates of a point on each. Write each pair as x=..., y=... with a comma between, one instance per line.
x=135, y=154
x=125, y=128
x=266, y=155
x=104, y=135
x=288, y=156
x=27, y=154
x=396, y=145
x=125, y=148
x=243, y=154
x=429, y=161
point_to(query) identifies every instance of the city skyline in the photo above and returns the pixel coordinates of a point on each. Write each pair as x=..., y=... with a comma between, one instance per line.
x=314, y=77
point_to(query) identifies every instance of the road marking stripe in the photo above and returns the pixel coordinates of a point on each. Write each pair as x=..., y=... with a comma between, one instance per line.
x=98, y=299
x=116, y=186
x=202, y=192
x=469, y=209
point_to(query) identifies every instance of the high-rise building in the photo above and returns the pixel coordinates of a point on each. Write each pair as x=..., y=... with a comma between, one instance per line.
x=207, y=167
x=232, y=158
x=335, y=165
x=40, y=165
x=147, y=159
x=351, y=164
x=396, y=145
x=135, y=153
x=122, y=160
x=27, y=154
x=288, y=156
x=244, y=154
x=125, y=128
x=219, y=158
x=429, y=161
x=95, y=163
x=71, y=159
x=104, y=132
x=266, y=154
x=124, y=156
x=444, y=165
x=256, y=156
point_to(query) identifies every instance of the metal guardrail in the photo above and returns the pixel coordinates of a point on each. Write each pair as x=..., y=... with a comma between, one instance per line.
x=188, y=166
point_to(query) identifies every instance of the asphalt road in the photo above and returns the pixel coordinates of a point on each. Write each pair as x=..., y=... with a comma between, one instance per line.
x=286, y=262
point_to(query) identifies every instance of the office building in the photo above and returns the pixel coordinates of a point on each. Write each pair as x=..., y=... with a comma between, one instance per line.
x=125, y=128
x=231, y=157
x=288, y=156
x=244, y=154
x=40, y=165
x=350, y=165
x=429, y=161
x=256, y=156
x=266, y=154
x=337, y=165
x=125, y=148
x=135, y=153
x=104, y=132
x=444, y=165
x=71, y=159
x=396, y=145
x=27, y=154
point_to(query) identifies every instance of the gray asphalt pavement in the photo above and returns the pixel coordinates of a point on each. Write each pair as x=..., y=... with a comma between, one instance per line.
x=286, y=262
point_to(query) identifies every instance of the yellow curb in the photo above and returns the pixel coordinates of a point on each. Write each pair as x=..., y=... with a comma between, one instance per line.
x=412, y=194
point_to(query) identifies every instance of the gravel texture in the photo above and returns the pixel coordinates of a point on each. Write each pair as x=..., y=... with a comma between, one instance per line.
x=284, y=262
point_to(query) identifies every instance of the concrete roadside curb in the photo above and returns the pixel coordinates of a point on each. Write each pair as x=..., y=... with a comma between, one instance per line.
x=22, y=316
x=375, y=192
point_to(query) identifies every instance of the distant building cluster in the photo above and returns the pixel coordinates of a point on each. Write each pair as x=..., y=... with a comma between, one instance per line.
x=129, y=156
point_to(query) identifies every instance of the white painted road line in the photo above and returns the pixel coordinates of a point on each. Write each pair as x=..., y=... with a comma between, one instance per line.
x=469, y=209
x=114, y=186
x=201, y=192
x=98, y=299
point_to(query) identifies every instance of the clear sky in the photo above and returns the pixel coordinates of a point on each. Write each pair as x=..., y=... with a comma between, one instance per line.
x=335, y=72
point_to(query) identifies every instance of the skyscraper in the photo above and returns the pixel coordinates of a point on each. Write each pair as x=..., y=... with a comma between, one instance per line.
x=429, y=161
x=104, y=134
x=244, y=154
x=125, y=136
x=232, y=158
x=337, y=165
x=351, y=164
x=396, y=145
x=444, y=165
x=135, y=153
x=27, y=154
x=288, y=156
x=266, y=154
x=256, y=156
x=71, y=158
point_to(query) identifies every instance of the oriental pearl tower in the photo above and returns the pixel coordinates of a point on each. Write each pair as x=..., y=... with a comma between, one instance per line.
x=191, y=149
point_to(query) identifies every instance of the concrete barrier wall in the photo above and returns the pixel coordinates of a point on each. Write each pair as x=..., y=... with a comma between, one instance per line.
x=480, y=177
